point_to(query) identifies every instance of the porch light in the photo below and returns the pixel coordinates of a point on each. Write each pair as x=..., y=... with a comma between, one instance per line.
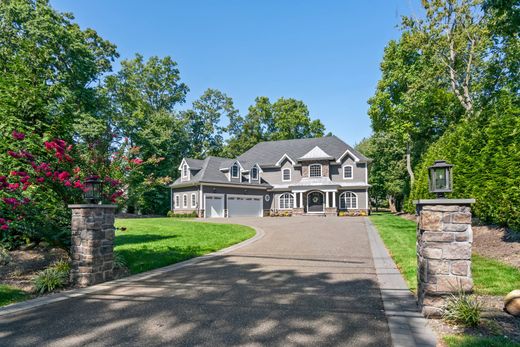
x=440, y=178
x=93, y=188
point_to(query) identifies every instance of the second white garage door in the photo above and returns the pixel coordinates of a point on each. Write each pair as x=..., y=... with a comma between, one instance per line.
x=245, y=206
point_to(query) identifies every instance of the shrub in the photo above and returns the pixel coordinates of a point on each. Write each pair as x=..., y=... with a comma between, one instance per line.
x=50, y=279
x=5, y=258
x=62, y=265
x=192, y=214
x=462, y=309
x=119, y=260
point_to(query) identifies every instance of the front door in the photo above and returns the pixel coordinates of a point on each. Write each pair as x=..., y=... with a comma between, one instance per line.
x=315, y=202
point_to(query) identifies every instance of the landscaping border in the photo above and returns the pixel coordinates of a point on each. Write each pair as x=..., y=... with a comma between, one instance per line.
x=406, y=324
x=78, y=292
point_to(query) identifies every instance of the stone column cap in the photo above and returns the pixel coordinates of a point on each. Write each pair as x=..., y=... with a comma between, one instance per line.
x=74, y=206
x=444, y=202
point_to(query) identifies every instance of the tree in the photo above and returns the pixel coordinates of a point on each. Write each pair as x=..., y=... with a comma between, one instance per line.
x=48, y=68
x=204, y=122
x=285, y=119
x=143, y=96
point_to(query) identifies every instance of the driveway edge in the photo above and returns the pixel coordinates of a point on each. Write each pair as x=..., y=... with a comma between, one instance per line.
x=407, y=326
x=78, y=292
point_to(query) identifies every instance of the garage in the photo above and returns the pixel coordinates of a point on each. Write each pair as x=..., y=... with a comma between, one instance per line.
x=244, y=205
x=214, y=205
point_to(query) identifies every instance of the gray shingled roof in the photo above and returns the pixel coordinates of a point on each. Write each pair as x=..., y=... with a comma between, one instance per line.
x=210, y=172
x=268, y=153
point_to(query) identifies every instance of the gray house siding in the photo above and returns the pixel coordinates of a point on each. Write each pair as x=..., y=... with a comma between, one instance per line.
x=362, y=197
x=358, y=171
x=181, y=192
x=273, y=176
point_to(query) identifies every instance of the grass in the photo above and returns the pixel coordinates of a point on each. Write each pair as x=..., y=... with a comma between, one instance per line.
x=150, y=243
x=9, y=295
x=490, y=276
x=473, y=341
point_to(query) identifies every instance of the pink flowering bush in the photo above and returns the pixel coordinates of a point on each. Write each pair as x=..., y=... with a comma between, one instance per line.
x=40, y=177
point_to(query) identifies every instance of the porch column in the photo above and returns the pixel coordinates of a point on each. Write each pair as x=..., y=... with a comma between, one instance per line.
x=294, y=200
x=301, y=199
x=327, y=199
x=334, y=199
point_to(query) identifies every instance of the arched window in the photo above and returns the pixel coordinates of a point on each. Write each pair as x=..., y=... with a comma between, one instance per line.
x=315, y=170
x=254, y=173
x=234, y=170
x=286, y=175
x=348, y=200
x=286, y=201
x=185, y=170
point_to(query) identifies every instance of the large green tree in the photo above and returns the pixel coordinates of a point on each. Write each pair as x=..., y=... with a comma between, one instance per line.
x=265, y=121
x=143, y=96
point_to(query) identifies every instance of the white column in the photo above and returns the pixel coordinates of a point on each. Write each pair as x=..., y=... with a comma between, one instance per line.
x=333, y=199
x=327, y=199
x=294, y=200
x=301, y=199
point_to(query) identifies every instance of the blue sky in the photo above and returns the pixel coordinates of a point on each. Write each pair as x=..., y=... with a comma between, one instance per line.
x=326, y=53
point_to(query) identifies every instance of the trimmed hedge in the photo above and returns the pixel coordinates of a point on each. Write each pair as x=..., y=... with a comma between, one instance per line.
x=486, y=153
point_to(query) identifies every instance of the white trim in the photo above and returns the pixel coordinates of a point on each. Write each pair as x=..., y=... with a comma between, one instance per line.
x=201, y=201
x=345, y=207
x=193, y=200
x=356, y=159
x=177, y=200
x=366, y=173
x=251, y=173
x=284, y=156
x=182, y=162
x=214, y=194
x=351, y=172
x=238, y=170
x=280, y=198
x=290, y=174
x=366, y=199
x=322, y=205
x=261, y=197
x=321, y=170
x=184, y=200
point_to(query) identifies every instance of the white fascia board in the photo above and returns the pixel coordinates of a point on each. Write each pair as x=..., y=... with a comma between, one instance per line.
x=284, y=156
x=356, y=159
x=182, y=163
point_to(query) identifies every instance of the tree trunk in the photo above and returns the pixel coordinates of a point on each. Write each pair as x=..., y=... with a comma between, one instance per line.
x=409, y=165
x=391, y=204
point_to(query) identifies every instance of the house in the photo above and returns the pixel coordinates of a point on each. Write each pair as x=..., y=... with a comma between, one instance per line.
x=303, y=176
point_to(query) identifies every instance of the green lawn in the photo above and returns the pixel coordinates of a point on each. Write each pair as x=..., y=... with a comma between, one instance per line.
x=489, y=276
x=150, y=243
x=472, y=341
x=9, y=294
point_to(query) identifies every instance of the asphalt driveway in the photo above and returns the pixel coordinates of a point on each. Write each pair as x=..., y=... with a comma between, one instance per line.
x=308, y=281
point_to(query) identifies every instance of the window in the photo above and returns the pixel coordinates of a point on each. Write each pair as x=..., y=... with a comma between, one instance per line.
x=347, y=171
x=347, y=200
x=193, y=200
x=286, y=174
x=234, y=171
x=254, y=173
x=177, y=201
x=286, y=201
x=184, y=200
x=315, y=170
x=185, y=171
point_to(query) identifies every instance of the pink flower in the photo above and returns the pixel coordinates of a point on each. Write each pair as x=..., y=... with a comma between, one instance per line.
x=40, y=179
x=137, y=161
x=68, y=184
x=4, y=227
x=2, y=221
x=10, y=201
x=17, y=135
x=63, y=175
x=14, y=154
x=14, y=186
x=78, y=184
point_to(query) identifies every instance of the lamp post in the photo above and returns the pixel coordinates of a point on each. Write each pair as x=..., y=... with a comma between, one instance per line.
x=440, y=178
x=93, y=189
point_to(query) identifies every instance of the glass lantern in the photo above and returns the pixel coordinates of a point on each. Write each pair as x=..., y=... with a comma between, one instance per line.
x=440, y=178
x=93, y=190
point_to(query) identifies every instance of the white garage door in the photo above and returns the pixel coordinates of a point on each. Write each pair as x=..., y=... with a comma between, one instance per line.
x=214, y=206
x=244, y=206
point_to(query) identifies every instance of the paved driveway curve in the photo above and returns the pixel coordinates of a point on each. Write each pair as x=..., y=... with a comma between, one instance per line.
x=308, y=281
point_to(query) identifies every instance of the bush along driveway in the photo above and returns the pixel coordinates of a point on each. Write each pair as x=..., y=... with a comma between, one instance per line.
x=492, y=280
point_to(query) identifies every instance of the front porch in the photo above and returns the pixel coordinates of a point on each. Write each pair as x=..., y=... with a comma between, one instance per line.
x=315, y=202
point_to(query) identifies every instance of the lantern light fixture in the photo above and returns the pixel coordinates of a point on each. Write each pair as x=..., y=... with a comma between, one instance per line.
x=93, y=190
x=440, y=178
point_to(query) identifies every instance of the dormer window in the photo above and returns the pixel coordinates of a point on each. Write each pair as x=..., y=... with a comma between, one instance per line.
x=235, y=171
x=185, y=171
x=315, y=170
x=347, y=172
x=286, y=175
x=254, y=173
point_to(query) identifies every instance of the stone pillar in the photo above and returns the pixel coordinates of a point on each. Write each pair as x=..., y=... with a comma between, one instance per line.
x=92, y=245
x=444, y=239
